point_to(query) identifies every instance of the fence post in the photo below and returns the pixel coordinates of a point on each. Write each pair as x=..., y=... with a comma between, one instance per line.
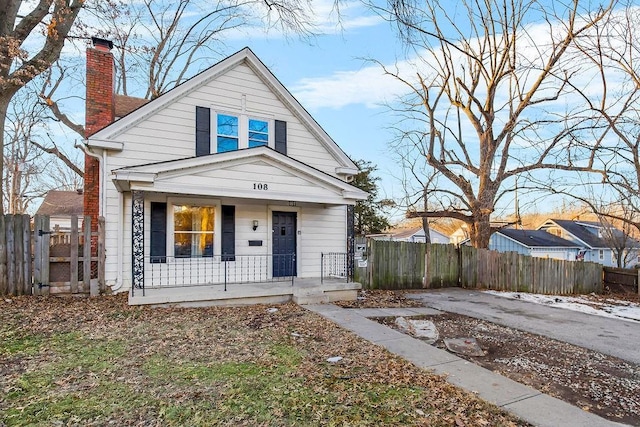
x=73, y=263
x=427, y=266
x=4, y=285
x=18, y=253
x=10, y=248
x=26, y=251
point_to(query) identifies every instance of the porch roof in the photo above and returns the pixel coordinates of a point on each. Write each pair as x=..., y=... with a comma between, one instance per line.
x=255, y=173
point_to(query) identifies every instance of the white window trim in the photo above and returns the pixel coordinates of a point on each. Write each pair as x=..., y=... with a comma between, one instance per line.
x=192, y=201
x=243, y=128
x=601, y=254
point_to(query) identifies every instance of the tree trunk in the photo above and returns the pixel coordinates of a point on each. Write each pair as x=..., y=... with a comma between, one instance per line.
x=480, y=230
x=5, y=99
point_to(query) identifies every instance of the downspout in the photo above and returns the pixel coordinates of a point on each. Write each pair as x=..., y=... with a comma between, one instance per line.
x=102, y=160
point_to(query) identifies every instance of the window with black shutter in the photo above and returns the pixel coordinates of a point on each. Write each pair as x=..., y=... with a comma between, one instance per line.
x=158, y=232
x=203, y=131
x=228, y=238
x=280, y=136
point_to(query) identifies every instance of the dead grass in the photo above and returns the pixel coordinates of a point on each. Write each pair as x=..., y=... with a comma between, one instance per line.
x=101, y=362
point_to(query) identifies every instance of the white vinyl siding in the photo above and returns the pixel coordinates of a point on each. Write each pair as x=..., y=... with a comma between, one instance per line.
x=320, y=229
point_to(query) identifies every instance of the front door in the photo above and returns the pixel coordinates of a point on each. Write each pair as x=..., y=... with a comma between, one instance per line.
x=284, y=244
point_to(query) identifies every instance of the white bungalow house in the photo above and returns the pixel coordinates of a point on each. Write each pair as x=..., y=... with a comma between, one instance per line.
x=536, y=243
x=597, y=244
x=413, y=234
x=224, y=188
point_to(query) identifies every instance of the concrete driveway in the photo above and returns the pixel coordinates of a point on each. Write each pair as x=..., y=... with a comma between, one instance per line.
x=618, y=338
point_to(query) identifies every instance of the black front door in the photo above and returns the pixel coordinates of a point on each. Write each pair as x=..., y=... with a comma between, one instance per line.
x=284, y=244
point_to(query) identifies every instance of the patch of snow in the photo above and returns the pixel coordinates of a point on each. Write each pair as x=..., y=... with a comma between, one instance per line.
x=334, y=359
x=615, y=309
x=272, y=310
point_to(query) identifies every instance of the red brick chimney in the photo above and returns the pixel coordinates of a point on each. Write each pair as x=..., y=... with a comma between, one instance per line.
x=100, y=110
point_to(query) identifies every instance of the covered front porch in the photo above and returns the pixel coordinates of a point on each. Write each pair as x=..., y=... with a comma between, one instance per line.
x=300, y=291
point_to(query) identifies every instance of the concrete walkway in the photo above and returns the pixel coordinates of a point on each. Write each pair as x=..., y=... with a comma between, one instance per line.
x=522, y=401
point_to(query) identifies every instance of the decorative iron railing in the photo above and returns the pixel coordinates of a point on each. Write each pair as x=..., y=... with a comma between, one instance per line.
x=334, y=265
x=171, y=271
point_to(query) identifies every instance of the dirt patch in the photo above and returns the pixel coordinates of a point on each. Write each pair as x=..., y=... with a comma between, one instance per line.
x=597, y=383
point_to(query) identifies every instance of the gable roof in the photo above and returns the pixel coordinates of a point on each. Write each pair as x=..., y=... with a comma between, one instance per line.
x=104, y=137
x=192, y=175
x=62, y=203
x=536, y=238
x=580, y=231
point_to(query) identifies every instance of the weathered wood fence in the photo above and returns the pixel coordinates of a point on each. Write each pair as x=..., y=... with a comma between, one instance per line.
x=405, y=265
x=37, y=260
x=621, y=279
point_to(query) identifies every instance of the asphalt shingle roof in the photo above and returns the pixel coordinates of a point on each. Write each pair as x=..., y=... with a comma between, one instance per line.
x=537, y=238
x=62, y=203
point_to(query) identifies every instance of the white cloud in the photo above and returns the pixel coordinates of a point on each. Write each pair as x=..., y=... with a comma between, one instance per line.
x=368, y=86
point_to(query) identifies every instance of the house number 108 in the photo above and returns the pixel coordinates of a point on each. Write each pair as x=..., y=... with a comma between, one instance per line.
x=260, y=186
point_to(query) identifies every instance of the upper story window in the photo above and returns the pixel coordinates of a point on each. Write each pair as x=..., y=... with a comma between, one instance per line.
x=258, y=133
x=601, y=254
x=228, y=135
x=219, y=132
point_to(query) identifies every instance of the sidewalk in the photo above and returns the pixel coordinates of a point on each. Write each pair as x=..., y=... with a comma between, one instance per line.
x=522, y=401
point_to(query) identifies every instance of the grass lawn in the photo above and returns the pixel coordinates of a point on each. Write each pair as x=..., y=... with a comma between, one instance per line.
x=100, y=362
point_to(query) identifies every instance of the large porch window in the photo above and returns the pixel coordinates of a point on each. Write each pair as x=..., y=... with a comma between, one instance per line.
x=193, y=231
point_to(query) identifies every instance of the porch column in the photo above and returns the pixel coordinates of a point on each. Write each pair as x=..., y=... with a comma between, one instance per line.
x=351, y=240
x=137, y=240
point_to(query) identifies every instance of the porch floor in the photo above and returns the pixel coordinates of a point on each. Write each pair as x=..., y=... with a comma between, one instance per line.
x=303, y=291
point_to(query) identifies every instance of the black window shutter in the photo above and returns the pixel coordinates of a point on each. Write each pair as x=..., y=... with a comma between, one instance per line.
x=228, y=233
x=203, y=131
x=158, y=232
x=281, y=136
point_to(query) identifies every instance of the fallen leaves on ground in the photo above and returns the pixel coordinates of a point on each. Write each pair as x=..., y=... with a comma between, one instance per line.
x=99, y=361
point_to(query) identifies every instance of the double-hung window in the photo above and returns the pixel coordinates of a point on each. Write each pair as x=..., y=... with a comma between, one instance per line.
x=228, y=133
x=193, y=231
x=258, y=133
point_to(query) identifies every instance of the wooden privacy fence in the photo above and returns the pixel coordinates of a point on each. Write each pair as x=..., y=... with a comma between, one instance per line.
x=621, y=279
x=37, y=260
x=387, y=265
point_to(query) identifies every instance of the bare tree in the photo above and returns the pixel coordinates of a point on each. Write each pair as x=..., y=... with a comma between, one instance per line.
x=485, y=85
x=613, y=49
x=48, y=21
x=624, y=247
x=21, y=180
x=159, y=44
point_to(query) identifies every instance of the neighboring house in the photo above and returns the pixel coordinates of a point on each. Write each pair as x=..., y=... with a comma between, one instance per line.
x=226, y=178
x=414, y=234
x=536, y=243
x=593, y=240
x=59, y=206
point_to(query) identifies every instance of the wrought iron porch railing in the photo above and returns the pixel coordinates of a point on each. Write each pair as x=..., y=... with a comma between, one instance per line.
x=171, y=271
x=335, y=265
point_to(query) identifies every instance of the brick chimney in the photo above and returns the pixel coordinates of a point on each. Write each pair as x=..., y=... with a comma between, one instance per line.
x=100, y=110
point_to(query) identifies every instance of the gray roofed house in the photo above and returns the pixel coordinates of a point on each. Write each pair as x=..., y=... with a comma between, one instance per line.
x=535, y=243
x=60, y=205
x=592, y=237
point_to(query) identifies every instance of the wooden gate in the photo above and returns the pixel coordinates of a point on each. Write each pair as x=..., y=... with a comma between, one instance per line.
x=63, y=259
